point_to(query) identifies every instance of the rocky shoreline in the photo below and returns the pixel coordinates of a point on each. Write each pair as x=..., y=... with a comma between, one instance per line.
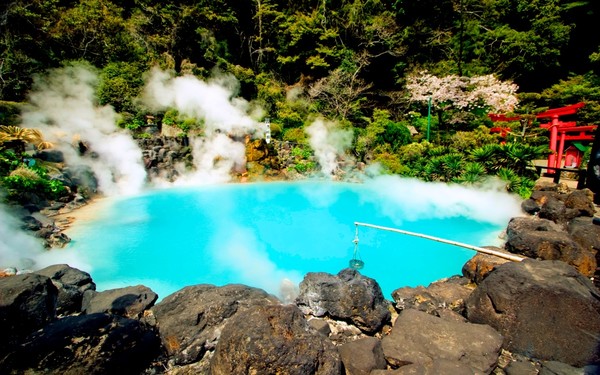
x=538, y=316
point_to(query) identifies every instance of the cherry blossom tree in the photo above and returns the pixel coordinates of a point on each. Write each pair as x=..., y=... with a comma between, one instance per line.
x=463, y=92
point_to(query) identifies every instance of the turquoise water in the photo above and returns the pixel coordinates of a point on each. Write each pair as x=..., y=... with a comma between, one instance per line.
x=261, y=234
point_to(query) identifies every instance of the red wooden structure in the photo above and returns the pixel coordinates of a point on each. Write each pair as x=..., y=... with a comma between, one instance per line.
x=572, y=157
x=560, y=132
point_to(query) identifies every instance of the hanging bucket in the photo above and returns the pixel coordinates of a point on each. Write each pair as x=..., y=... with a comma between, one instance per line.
x=356, y=264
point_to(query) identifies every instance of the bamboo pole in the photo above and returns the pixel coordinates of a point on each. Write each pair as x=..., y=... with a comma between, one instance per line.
x=513, y=257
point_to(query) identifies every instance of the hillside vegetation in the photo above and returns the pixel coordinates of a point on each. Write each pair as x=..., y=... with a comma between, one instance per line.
x=378, y=68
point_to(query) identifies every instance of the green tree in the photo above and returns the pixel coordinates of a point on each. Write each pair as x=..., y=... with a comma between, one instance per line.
x=380, y=134
x=120, y=83
x=25, y=45
x=94, y=30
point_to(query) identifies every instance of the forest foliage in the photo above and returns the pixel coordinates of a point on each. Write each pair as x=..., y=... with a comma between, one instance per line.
x=370, y=65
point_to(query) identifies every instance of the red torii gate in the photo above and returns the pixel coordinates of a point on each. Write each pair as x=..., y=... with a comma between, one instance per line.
x=567, y=131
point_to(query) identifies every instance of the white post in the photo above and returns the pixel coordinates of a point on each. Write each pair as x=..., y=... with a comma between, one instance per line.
x=513, y=257
x=268, y=130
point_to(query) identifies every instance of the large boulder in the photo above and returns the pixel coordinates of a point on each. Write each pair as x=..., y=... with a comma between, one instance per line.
x=587, y=234
x=433, y=367
x=558, y=203
x=347, y=296
x=444, y=294
x=540, y=238
x=422, y=339
x=86, y=344
x=544, y=309
x=129, y=302
x=273, y=339
x=190, y=320
x=27, y=303
x=362, y=356
x=71, y=283
x=582, y=201
x=479, y=267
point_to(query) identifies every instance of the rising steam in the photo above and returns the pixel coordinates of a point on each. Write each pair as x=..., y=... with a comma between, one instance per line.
x=63, y=107
x=17, y=249
x=224, y=116
x=329, y=143
x=22, y=251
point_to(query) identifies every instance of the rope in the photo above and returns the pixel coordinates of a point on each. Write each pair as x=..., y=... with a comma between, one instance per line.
x=513, y=257
x=356, y=263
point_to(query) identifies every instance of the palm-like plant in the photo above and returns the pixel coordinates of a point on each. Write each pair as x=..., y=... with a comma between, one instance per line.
x=520, y=156
x=512, y=180
x=473, y=173
x=434, y=169
x=487, y=155
x=16, y=137
x=453, y=166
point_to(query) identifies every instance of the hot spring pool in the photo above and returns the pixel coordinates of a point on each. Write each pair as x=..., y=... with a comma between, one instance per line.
x=260, y=234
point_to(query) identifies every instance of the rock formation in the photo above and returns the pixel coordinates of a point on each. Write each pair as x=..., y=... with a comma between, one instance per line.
x=273, y=339
x=71, y=284
x=544, y=309
x=347, y=296
x=560, y=228
x=421, y=339
x=540, y=316
x=191, y=320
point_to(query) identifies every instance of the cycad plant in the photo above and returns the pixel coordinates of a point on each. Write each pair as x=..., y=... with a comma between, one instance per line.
x=520, y=157
x=472, y=173
x=453, y=166
x=16, y=138
x=488, y=157
x=512, y=180
x=434, y=169
x=521, y=185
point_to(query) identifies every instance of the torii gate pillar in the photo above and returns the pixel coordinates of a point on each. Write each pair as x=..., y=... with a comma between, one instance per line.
x=553, y=140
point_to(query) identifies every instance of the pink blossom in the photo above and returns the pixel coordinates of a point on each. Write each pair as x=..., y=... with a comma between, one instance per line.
x=463, y=92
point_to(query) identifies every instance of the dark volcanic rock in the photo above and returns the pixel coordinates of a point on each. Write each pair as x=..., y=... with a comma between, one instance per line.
x=86, y=344
x=273, y=340
x=434, y=367
x=544, y=309
x=530, y=206
x=71, y=284
x=450, y=294
x=347, y=296
x=560, y=205
x=555, y=210
x=583, y=231
x=479, y=267
x=27, y=303
x=362, y=356
x=129, y=302
x=582, y=201
x=53, y=156
x=31, y=223
x=190, y=321
x=539, y=238
x=422, y=339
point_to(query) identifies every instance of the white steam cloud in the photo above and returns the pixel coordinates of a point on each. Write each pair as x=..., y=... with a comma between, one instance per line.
x=242, y=253
x=23, y=251
x=329, y=143
x=63, y=108
x=411, y=199
x=224, y=116
x=17, y=248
